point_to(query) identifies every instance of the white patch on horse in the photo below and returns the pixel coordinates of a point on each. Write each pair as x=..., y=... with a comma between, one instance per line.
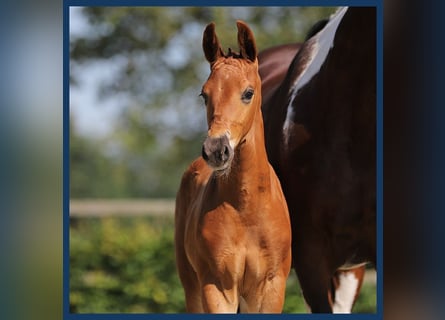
x=345, y=293
x=349, y=266
x=319, y=47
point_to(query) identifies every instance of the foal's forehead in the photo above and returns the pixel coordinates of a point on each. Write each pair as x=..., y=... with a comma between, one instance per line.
x=230, y=61
x=234, y=69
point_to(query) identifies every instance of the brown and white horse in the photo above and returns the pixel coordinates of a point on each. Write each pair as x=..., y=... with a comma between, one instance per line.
x=319, y=112
x=232, y=236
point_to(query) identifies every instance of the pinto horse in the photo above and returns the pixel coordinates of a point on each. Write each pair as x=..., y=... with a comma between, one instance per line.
x=320, y=131
x=232, y=226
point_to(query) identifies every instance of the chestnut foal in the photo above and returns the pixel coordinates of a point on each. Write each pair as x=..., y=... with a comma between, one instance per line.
x=233, y=235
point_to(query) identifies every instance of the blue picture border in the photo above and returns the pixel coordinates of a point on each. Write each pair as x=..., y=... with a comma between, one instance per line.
x=66, y=159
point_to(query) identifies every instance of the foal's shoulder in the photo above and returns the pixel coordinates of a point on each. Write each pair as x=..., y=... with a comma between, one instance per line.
x=197, y=173
x=193, y=180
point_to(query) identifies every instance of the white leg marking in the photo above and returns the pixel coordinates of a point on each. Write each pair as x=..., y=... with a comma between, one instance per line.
x=345, y=293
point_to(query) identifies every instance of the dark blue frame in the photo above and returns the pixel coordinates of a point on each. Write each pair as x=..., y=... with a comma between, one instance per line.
x=66, y=147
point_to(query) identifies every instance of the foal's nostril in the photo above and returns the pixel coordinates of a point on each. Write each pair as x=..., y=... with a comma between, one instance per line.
x=226, y=153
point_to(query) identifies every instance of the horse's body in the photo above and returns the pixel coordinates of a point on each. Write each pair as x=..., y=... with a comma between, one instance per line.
x=273, y=65
x=232, y=236
x=320, y=130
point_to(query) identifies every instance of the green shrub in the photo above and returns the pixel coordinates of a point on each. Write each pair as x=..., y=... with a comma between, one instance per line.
x=123, y=265
x=126, y=265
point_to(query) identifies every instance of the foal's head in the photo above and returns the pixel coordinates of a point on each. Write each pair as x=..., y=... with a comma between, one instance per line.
x=232, y=95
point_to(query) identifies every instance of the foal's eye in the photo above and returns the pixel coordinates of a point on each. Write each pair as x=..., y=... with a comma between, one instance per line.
x=247, y=95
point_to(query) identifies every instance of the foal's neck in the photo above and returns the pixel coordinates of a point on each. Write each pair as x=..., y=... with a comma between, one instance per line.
x=252, y=153
x=250, y=167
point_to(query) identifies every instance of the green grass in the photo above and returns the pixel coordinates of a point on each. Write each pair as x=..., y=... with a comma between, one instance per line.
x=367, y=300
x=126, y=265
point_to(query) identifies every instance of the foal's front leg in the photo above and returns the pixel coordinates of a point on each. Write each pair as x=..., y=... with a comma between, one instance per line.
x=274, y=293
x=268, y=297
x=219, y=297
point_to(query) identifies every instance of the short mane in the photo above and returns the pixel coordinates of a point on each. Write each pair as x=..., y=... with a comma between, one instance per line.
x=232, y=54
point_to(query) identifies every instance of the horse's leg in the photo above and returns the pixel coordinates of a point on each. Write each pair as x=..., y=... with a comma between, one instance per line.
x=274, y=292
x=347, y=285
x=189, y=280
x=316, y=293
x=192, y=290
x=268, y=299
x=193, y=301
x=218, y=297
x=314, y=276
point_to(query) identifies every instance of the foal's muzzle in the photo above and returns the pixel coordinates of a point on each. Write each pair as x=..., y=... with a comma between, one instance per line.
x=217, y=152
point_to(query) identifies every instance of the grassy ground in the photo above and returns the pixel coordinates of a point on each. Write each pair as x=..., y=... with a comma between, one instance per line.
x=366, y=302
x=126, y=265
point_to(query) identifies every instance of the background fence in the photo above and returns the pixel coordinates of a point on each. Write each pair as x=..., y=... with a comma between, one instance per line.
x=121, y=207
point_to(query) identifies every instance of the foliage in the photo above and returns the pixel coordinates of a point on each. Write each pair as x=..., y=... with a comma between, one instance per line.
x=126, y=265
x=94, y=175
x=155, y=68
x=123, y=265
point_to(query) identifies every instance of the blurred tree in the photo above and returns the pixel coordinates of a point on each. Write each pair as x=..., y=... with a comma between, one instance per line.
x=124, y=265
x=94, y=175
x=159, y=69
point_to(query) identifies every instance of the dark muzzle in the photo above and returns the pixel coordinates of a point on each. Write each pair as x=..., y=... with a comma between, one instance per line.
x=217, y=152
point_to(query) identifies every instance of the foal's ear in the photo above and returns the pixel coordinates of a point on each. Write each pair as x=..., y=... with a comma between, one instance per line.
x=210, y=44
x=246, y=41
